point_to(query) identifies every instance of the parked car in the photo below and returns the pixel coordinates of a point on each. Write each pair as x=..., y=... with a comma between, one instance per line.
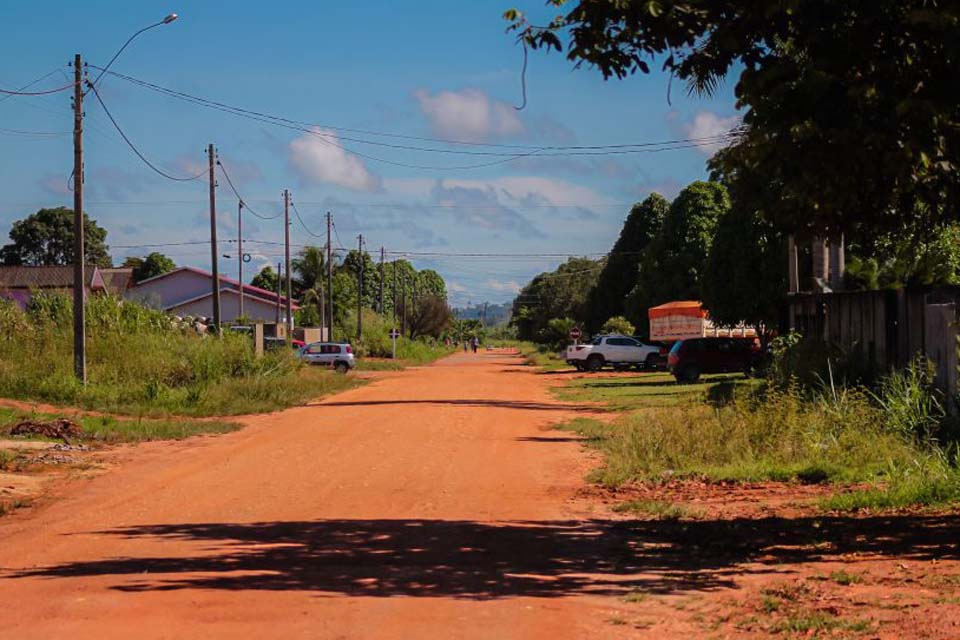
x=273, y=342
x=337, y=355
x=690, y=358
x=620, y=352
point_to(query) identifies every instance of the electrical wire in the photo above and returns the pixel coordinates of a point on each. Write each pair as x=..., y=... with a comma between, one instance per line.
x=46, y=134
x=541, y=150
x=46, y=92
x=134, y=148
x=302, y=223
x=30, y=84
x=243, y=202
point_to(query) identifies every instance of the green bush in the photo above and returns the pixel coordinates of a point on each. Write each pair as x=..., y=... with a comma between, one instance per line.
x=618, y=325
x=142, y=362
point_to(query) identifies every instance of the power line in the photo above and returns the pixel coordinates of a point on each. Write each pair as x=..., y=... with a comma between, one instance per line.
x=243, y=202
x=302, y=223
x=30, y=84
x=9, y=92
x=329, y=139
x=134, y=148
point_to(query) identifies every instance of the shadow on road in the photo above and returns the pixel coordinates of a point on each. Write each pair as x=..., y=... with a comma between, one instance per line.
x=464, y=559
x=500, y=404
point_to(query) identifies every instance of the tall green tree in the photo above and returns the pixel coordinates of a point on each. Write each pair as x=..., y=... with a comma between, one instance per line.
x=852, y=121
x=154, y=264
x=265, y=279
x=745, y=279
x=46, y=238
x=561, y=293
x=619, y=274
x=673, y=265
x=309, y=285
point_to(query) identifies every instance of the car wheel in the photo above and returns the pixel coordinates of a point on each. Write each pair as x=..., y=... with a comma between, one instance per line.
x=341, y=367
x=578, y=366
x=691, y=373
x=594, y=363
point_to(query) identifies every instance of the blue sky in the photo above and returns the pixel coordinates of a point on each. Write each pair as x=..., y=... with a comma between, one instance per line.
x=436, y=69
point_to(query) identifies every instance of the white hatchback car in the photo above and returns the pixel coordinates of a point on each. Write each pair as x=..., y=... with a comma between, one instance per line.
x=337, y=355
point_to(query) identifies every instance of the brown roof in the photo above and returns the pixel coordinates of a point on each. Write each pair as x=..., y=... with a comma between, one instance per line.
x=117, y=280
x=59, y=277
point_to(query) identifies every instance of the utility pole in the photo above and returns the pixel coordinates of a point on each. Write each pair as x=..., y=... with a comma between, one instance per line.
x=382, y=308
x=403, y=297
x=240, y=251
x=279, y=275
x=394, y=269
x=360, y=288
x=79, y=257
x=286, y=251
x=214, y=256
x=330, y=276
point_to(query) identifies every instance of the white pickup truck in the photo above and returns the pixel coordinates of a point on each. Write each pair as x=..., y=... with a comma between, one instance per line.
x=620, y=352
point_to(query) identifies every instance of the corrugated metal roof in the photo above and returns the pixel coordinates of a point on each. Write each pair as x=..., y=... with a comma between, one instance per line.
x=53, y=277
x=117, y=281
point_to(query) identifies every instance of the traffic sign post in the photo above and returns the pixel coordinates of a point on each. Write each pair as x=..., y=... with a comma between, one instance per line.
x=575, y=334
x=394, y=334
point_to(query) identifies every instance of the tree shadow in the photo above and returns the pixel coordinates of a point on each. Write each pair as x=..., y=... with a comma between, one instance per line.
x=466, y=559
x=499, y=404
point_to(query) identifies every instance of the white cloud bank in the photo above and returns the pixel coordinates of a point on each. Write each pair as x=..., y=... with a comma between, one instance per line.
x=319, y=158
x=509, y=286
x=706, y=124
x=469, y=115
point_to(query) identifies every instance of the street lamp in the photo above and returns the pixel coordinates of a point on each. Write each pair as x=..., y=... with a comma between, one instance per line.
x=79, y=249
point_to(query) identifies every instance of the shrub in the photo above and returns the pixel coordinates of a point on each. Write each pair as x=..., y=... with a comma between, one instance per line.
x=618, y=325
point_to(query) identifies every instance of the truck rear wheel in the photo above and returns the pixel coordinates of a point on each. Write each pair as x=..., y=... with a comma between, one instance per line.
x=594, y=363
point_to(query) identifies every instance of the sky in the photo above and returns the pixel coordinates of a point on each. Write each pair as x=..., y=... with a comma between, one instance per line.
x=350, y=73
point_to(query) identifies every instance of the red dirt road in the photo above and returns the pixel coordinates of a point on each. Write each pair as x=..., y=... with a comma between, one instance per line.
x=433, y=503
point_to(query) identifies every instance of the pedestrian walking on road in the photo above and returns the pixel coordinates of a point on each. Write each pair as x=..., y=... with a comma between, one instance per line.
x=475, y=343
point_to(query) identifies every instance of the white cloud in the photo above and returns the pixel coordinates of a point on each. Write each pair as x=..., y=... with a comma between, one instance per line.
x=706, y=124
x=468, y=115
x=510, y=286
x=319, y=158
x=535, y=190
x=456, y=287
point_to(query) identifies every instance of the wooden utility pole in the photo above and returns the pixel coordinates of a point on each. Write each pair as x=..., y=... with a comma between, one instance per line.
x=382, y=308
x=286, y=265
x=279, y=295
x=240, y=252
x=330, y=276
x=403, y=297
x=360, y=287
x=79, y=251
x=214, y=256
x=393, y=268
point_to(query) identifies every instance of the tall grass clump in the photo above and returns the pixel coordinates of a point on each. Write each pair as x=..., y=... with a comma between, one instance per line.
x=142, y=362
x=886, y=438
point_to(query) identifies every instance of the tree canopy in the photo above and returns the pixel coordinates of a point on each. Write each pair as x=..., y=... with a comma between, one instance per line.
x=265, y=279
x=619, y=274
x=45, y=238
x=153, y=265
x=556, y=294
x=850, y=113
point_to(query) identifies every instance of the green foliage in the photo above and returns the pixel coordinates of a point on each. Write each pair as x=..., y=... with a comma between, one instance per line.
x=673, y=265
x=849, y=106
x=618, y=324
x=556, y=335
x=911, y=403
x=899, y=259
x=746, y=271
x=46, y=238
x=619, y=274
x=429, y=316
x=265, y=279
x=143, y=363
x=555, y=294
x=153, y=265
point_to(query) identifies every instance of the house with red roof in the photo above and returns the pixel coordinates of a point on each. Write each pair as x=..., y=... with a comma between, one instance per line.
x=20, y=283
x=188, y=291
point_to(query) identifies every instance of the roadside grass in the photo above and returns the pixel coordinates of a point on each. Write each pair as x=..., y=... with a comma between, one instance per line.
x=410, y=353
x=811, y=623
x=729, y=428
x=113, y=430
x=658, y=510
x=536, y=355
x=141, y=363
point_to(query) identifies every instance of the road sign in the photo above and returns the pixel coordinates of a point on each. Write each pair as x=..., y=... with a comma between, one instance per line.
x=575, y=333
x=394, y=334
